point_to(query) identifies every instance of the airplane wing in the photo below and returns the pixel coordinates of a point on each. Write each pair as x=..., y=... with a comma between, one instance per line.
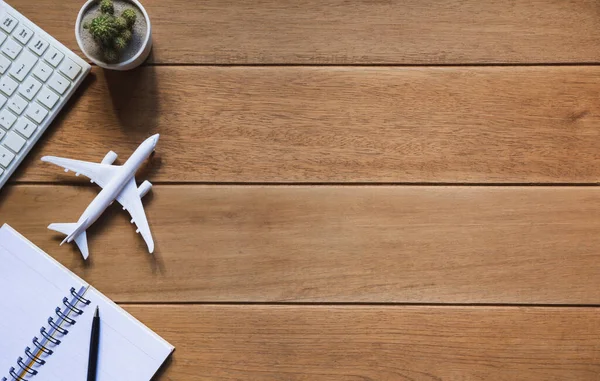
x=101, y=174
x=131, y=201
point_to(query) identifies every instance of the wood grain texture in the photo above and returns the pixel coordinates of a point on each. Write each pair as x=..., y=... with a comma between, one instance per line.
x=345, y=244
x=270, y=343
x=275, y=124
x=356, y=31
x=332, y=244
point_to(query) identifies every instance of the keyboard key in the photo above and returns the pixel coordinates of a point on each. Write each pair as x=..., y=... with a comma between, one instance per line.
x=8, y=23
x=36, y=112
x=7, y=119
x=48, y=98
x=22, y=34
x=8, y=86
x=5, y=157
x=14, y=142
x=11, y=48
x=23, y=65
x=70, y=68
x=30, y=87
x=42, y=71
x=2, y=100
x=2, y=133
x=53, y=56
x=17, y=104
x=2, y=37
x=4, y=64
x=25, y=127
x=38, y=45
x=59, y=83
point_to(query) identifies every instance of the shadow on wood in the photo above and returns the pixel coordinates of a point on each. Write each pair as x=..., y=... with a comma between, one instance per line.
x=134, y=96
x=160, y=375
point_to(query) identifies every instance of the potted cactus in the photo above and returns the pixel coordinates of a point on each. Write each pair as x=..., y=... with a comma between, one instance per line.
x=114, y=34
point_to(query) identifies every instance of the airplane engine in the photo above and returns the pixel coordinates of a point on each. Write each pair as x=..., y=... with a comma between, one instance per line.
x=109, y=158
x=144, y=188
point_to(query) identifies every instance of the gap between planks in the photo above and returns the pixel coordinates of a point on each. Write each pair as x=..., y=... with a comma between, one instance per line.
x=363, y=304
x=305, y=184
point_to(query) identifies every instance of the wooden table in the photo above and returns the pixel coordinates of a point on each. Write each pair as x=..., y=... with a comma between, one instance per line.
x=346, y=190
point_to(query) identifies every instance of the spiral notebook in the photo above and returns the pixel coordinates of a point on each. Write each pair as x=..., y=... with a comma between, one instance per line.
x=46, y=322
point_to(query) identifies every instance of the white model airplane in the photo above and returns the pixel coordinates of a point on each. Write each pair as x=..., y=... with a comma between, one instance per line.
x=118, y=183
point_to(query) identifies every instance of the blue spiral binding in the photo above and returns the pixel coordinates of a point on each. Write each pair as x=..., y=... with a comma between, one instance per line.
x=42, y=347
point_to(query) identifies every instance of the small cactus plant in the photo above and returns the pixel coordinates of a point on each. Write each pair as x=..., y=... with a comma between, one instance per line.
x=107, y=7
x=113, y=33
x=130, y=16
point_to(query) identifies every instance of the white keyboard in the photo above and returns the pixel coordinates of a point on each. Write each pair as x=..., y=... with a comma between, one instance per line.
x=38, y=75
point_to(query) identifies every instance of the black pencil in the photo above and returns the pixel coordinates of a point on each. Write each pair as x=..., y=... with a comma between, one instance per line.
x=94, y=345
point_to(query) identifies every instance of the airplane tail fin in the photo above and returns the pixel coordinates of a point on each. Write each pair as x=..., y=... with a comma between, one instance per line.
x=80, y=238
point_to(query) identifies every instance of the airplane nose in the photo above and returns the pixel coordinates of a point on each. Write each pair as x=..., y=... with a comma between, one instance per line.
x=154, y=139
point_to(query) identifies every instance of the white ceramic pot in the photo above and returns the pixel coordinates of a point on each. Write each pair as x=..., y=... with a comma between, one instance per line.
x=132, y=63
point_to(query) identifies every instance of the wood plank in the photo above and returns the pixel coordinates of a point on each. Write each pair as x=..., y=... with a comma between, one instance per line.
x=332, y=244
x=290, y=124
x=355, y=32
x=377, y=343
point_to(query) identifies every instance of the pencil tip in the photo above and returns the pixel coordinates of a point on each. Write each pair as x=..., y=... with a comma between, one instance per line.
x=97, y=314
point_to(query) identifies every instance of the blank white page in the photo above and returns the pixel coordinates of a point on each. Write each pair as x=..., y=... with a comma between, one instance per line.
x=33, y=284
